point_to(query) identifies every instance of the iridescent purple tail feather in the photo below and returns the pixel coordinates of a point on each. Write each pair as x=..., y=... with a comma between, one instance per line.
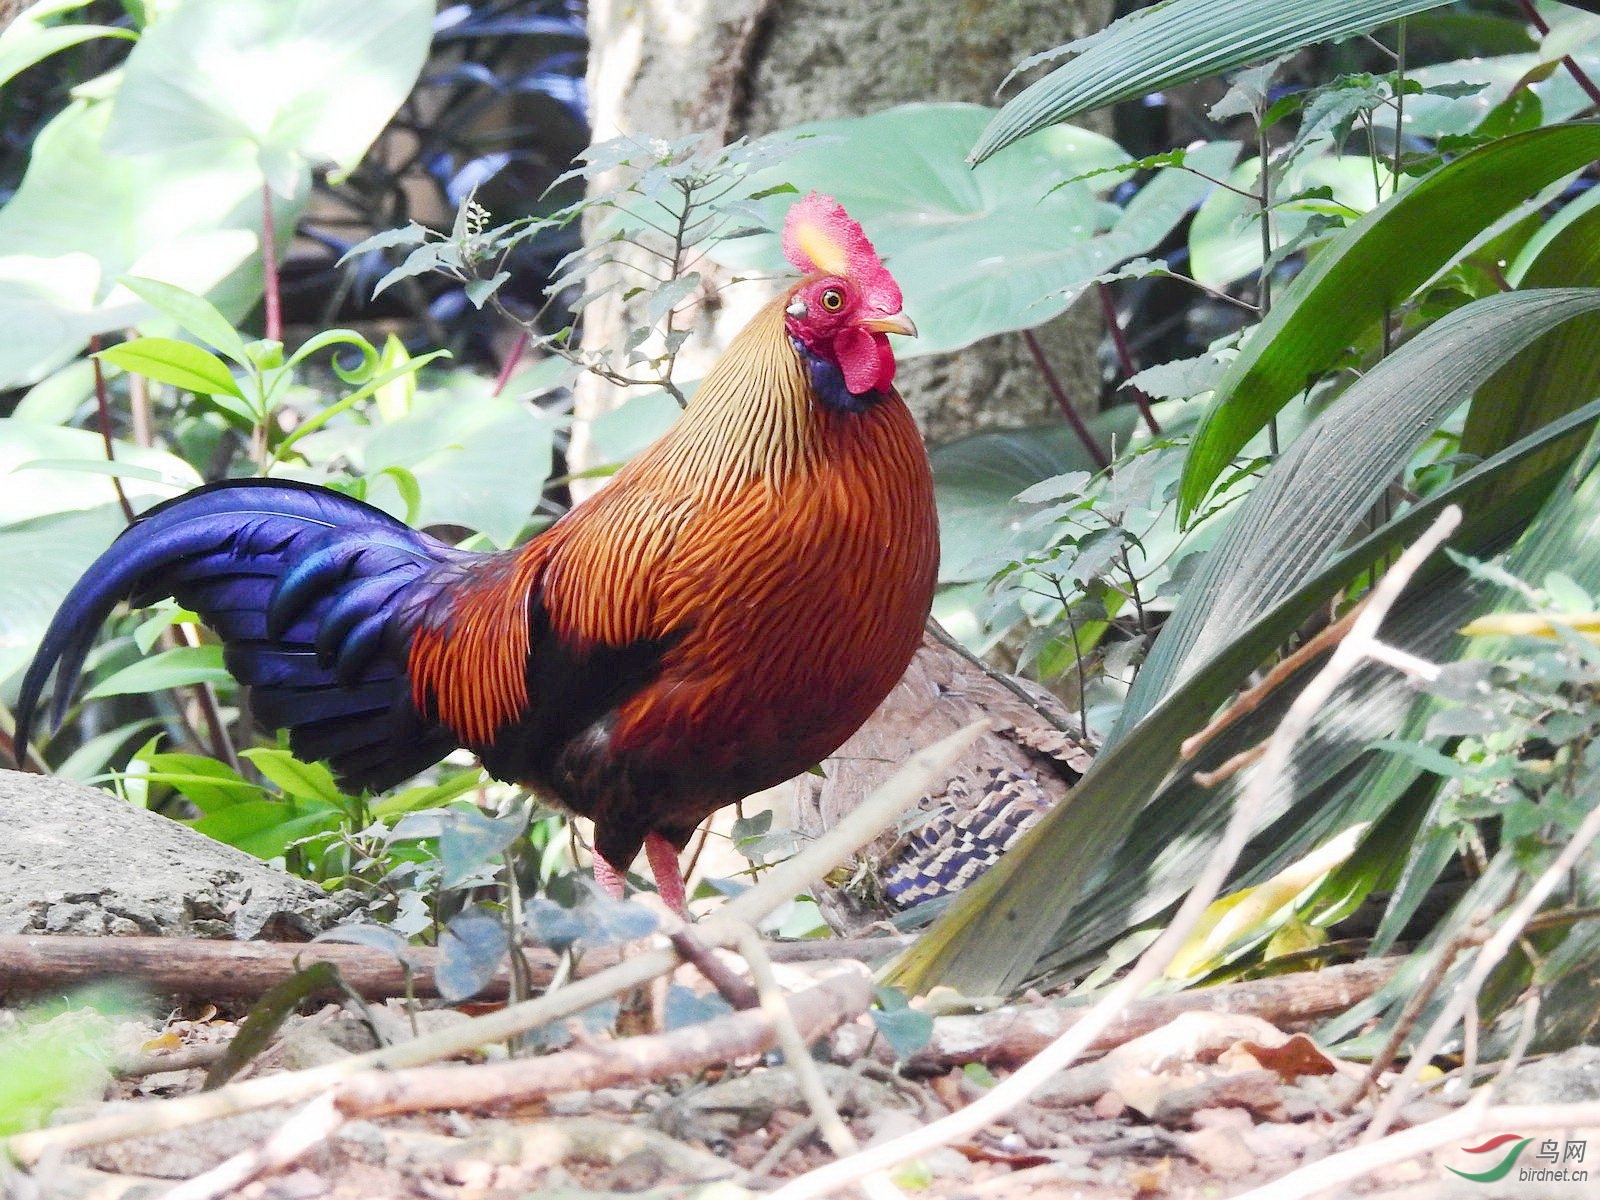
x=314, y=596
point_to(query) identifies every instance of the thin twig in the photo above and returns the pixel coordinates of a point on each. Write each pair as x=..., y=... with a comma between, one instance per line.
x=922, y=772
x=1064, y=402
x=102, y=406
x=1519, y=1048
x=186, y=1058
x=780, y=1148
x=842, y=995
x=1016, y=1089
x=704, y=959
x=1495, y=948
x=1332, y=1173
x=798, y=1058
x=1579, y=75
x=1399, y=102
x=1420, y=995
x=311, y=1126
x=1119, y=341
x=1232, y=766
x=1264, y=279
x=1247, y=702
x=269, y=268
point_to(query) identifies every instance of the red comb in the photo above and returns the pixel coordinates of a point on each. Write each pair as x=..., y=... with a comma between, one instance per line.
x=818, y=235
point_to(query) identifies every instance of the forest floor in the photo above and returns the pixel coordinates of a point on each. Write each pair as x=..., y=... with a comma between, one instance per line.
x=1208, y=1102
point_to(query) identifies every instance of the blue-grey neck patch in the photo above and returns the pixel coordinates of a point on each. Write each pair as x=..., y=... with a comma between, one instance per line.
x=827, y=381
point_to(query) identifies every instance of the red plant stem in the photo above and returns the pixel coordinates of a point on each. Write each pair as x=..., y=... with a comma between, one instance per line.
x=102, y=405
x=1125, y=357
x=513, y=357
x=1074, y=419
x=269, y=268
x=1573, y=69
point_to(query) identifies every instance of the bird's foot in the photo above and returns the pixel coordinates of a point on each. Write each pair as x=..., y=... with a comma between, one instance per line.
x=663, y=856
x=610, y=879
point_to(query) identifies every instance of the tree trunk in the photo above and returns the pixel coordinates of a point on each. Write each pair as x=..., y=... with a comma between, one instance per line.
x=748, y=67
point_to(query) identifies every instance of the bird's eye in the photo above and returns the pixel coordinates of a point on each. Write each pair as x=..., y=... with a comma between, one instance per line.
x=833, y=299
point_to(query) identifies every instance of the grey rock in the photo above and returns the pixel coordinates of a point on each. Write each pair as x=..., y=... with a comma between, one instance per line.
x=79, y=861
x=1566, y=1078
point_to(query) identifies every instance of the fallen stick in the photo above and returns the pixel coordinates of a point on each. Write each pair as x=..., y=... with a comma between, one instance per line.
x=921, y=772
x=217, y=970
x=1331, y=1174
x=1011, y=1036
x=839, y=997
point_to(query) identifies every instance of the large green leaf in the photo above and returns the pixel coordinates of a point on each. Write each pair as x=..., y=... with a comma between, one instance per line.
x=1024, y=911
x=178, y=667
x=43, y=558
x=82, y=217
x=1173, y=43
x=1364, y=274
x=1442, y=110
x=1315, y=496
x=977, y=478
x=1561, y=538
x=55, y=518
x=479, y=460
x=1563, y=370
x=302, y=81
x=977, y=252
x=160, y=173
x=38, y=474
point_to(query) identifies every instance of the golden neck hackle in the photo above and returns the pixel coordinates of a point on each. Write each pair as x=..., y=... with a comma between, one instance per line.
x=752, y=418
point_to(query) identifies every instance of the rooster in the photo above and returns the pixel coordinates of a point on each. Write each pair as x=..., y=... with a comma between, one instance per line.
x=719, y=618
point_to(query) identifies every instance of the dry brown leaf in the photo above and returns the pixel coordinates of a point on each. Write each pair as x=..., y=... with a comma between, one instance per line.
x=1297, y=1055
x=1152, y=1178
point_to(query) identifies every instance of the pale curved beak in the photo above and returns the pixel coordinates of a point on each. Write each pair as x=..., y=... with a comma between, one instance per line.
x=899, y=323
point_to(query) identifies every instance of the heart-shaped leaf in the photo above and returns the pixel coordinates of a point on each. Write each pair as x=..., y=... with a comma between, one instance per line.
x=976, y=252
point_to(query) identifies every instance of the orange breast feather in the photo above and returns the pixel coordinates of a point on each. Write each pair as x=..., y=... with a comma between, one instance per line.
x=792, y=548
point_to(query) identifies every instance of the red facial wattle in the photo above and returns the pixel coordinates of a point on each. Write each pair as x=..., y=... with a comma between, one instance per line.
x=865, y=358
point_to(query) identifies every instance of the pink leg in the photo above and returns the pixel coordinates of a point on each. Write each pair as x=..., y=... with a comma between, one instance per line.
x=663, y=856
x=608, y=877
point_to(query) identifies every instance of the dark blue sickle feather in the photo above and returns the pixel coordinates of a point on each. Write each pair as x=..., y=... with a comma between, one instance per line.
x=314, y=596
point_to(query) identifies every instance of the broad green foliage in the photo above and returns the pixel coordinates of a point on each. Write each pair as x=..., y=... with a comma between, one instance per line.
x=1173, y=43
x=979, y=252
x=1225, y=236
x=1316, y=495
x=1395, y=328
x=57, y=1054
x=158, y=169
x=58, y=509
x=1354, y=285
x=306, y=83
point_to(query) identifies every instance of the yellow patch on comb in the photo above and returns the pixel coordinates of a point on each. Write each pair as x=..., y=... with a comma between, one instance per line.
x=818, y=244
